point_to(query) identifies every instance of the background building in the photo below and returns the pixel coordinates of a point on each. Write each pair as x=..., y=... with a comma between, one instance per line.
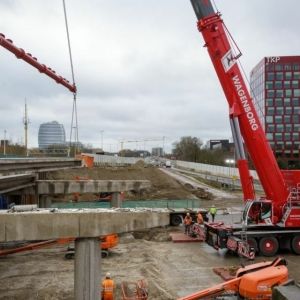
x=219, y=144
x=51, y=135
x=158, y=151
x=275, y=90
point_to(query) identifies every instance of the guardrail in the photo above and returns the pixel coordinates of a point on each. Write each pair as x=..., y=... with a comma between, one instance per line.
x=100, y=160
x=212, y=169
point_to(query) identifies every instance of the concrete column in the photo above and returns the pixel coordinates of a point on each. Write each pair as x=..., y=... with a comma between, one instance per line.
x=45, y=201
x=116, y=200
x=87, y=269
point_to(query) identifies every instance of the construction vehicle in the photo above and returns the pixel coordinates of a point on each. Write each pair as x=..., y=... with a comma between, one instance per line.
x=270, y=222
x=251, y=282
x=105, y=243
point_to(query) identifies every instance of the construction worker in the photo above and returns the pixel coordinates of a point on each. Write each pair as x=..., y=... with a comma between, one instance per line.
x=199, y=218
x=187, y=223
x=107, y=288
x=213, y=212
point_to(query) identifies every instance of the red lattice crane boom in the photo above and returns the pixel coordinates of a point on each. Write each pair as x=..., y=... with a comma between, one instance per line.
x=27, y=57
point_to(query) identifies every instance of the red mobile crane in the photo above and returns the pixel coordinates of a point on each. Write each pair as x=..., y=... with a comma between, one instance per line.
x=272, y=221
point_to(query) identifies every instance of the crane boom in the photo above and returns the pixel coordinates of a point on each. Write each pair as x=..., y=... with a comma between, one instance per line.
x=21, y=54
x=241, y=107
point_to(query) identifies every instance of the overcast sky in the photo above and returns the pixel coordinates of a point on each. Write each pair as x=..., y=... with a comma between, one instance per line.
x=140, y=67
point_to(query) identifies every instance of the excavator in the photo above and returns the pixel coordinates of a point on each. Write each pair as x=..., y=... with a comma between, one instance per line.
x=270, y=222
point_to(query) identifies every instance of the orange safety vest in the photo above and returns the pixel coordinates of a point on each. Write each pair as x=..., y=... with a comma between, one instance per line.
x=199, y=218
x=188, y=220
x=107, y=289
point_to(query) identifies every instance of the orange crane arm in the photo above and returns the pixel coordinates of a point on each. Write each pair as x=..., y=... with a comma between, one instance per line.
x=21, y=54
x=231, y=285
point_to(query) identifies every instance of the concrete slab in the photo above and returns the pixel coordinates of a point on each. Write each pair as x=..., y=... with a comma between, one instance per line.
x=44, y=224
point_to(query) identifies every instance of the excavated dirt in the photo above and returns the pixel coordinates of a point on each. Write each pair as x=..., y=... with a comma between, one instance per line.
x=162, y=185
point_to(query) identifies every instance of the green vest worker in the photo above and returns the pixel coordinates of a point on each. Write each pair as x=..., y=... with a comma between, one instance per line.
x=213, y=212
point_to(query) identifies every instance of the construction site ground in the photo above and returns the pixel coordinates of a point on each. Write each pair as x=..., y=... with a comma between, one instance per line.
x=171, y=269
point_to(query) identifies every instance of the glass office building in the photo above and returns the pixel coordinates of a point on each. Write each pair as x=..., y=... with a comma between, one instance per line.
x=50, y=134
x=275, y=89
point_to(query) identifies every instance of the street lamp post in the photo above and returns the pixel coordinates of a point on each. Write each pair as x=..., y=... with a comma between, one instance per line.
x=101, y=131
x=231, y=163
x=4, y=143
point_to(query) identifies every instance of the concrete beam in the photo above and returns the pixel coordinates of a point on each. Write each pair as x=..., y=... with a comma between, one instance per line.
x=86, y=223
x=16, y=182
x=54, y=187
x=17, y=165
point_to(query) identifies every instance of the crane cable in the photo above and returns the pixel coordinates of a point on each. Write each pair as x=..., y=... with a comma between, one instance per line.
x=74, y=109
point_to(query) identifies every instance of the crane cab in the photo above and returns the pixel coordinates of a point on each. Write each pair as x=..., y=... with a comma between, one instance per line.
x=258, y=212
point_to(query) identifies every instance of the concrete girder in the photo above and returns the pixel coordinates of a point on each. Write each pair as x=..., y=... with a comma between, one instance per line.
x=54, y=187
x=86, y=223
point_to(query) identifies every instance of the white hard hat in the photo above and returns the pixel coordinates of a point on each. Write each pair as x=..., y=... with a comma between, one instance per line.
x=107, y=275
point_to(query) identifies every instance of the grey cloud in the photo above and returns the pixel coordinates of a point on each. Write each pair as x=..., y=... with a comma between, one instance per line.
x=140, y=66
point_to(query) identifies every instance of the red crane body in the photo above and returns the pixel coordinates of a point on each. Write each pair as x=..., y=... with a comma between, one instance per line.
x=282, y=192
x=21, y=54
x=241, y=106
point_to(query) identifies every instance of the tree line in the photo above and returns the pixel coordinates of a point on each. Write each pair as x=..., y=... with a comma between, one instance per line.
x=191, y=149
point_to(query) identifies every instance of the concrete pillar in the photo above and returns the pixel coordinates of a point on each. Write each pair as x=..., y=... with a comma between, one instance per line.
x=116, y=200
x=45, y=201
x=87, y=269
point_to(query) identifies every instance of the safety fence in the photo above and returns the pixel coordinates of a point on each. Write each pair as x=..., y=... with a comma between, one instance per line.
x=212, y=169
x=100, y=160
x=231, y=172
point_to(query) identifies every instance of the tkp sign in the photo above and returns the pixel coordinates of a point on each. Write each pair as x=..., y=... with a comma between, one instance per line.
x=273, y=59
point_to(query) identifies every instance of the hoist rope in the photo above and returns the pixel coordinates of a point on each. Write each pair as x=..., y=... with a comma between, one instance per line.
x=74, y=110
x=69, y=43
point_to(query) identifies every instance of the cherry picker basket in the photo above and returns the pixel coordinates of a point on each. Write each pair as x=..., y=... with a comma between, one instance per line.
x=134, y=290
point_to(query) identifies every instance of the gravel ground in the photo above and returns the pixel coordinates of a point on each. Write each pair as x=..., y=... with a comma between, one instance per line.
x=171, y=270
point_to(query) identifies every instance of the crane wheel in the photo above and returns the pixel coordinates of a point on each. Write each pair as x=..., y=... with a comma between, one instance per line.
x=296, y=244
x=176, y=220
x=69, y=255
x=268, y=246
x=253, y=244
x=104, y=253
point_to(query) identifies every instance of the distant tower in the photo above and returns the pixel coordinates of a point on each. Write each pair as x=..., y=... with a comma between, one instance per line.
x=50, y=134
x=26, y=123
